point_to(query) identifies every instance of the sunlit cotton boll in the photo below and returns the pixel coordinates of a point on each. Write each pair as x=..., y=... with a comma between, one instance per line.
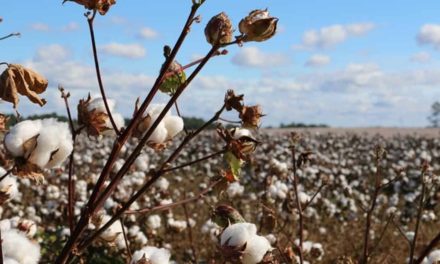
x=154, y=222
x=53, y=144
x=9, y=186
x=16, y=246
x=153, y=254
x=113, y=232
x=239, y=234
x=235, y=189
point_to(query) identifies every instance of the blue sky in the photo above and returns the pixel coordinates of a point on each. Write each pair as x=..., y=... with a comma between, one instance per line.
x=343, y=63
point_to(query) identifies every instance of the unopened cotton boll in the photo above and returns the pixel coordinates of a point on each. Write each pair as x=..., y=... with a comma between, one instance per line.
x=18, y=247
x=240, y=234
x=153, y=254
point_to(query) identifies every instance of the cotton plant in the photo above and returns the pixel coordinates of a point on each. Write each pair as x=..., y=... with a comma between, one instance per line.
x=240, y=242
x=37, y=145
x=17, y=248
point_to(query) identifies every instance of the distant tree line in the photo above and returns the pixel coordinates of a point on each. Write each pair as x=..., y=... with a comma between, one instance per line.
x=192, y=123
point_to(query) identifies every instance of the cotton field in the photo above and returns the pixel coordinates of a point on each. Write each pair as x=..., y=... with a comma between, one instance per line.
x=335, y=190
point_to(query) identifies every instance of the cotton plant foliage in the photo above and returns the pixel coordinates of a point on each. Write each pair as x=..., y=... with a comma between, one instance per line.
x=39, y=144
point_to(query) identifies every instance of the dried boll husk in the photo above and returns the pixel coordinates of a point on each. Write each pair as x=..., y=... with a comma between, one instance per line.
x=219, y=30
x=102, y=6
x=258, y=26
x=19, y=80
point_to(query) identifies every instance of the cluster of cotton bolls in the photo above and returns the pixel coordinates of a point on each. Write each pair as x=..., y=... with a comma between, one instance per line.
x=263, y=194
x=45, y=143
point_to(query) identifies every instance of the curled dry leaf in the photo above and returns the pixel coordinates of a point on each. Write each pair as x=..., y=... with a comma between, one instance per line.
x=19, y=80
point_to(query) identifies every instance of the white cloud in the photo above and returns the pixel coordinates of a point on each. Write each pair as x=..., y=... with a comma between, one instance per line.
x=132, y=51
x=254, y=57
x=421, y=57
x=148, y=33
x=318, y=60
x=330, y=36
x=429, y=34
x=72, y=26
x=54, y=52
x=40, y=27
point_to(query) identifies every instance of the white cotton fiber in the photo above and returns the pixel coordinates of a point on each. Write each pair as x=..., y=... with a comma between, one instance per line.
x=18, y=247
x=173, y=124
x=154, y=254
x=19, y=134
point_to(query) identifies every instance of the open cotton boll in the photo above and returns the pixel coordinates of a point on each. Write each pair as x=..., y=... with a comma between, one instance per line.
x=173, y=124
x=159, y=134
x=19, y=134
x=153, y=254
x=54, y=144
x=154, y=222
x=141, y=162
x=255, y=250
x=434, y=257
x=111, y=233
x=10, y=261
x=241, y=132
x=162, y=184
x=9, y=186
x=238, y=234
x=18, y=247
x=155, y=110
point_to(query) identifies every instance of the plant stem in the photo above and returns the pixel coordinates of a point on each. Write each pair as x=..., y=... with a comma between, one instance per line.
x=419, y=217
x=190, y=235
x=98, y=72
x=298, y=205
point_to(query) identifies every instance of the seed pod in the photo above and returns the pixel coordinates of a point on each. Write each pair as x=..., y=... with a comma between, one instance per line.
x=174, y=77
x=219, y=30
x=258, y=26
x=102, y=6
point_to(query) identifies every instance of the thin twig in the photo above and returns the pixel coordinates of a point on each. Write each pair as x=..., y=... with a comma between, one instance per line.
x=298, y=205
x=195, y=161
x=98, y=72
x=314, y=196
x=229, y=121
x=401, y=232
x=382, y=234
x=127, y=245
x=418, y=218
x=190, y=235
x=71, y=182
x=10, y=35
x=172, y=205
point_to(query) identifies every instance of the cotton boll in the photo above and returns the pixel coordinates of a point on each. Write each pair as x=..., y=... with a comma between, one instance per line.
x=111, y=233
x=434, y=256
x=162, y=184
x=159, y=134
x=18, y=247
x=238, y=234
x=255, y=250
x=154, y=110
x=154, y=222
x=173, y=124
x=98, y=105
x=10, y=261
x=141, y=162
x=235, y=189
x=241, y=132
x=119, y=122
x=19, y=134
x=153, y=254
x=9, y=186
